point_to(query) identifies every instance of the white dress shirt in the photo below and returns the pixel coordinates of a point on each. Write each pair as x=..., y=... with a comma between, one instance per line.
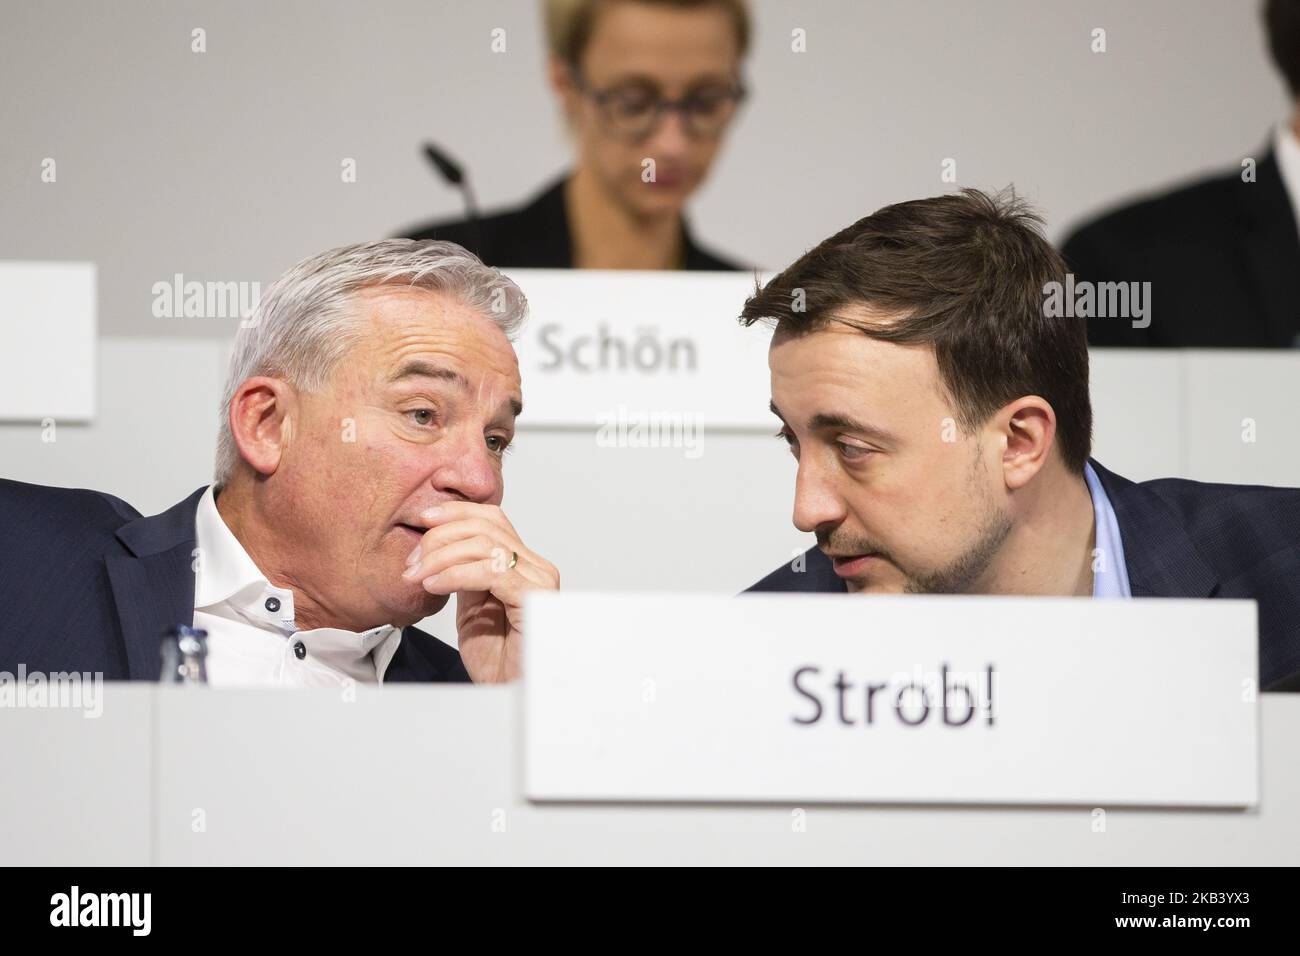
x=1110, y=576
x=252, y=638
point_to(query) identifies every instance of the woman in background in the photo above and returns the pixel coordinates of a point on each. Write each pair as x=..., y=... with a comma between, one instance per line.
x=648, y=89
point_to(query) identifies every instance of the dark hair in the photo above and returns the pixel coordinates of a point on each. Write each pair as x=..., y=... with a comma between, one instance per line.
x=965, y=273
x=1282, y=23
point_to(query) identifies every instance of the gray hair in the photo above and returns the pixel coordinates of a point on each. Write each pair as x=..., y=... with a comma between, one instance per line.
x=305, y=322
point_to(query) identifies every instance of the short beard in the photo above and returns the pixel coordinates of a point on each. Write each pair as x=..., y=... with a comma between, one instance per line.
x=960, y=575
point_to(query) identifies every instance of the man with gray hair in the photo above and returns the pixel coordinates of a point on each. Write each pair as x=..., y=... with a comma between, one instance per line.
x=370, y=400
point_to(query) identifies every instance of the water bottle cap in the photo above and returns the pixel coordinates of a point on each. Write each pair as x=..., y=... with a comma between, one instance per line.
x=184, y=630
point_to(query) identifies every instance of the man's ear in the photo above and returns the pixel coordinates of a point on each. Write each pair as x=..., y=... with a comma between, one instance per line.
x=1028, y=426
x=261, y=416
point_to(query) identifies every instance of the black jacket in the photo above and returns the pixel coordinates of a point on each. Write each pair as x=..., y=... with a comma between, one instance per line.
x=1183, y=539
x=1222, y=257
x=536, y=236
x=89, y=585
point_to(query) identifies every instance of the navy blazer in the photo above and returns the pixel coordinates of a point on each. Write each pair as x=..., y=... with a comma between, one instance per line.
x=537, y=236
x=1182, y=539
x=87, y=584
x=1221, y=253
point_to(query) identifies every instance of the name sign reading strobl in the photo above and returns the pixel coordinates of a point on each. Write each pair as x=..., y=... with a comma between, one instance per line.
x=807, y=698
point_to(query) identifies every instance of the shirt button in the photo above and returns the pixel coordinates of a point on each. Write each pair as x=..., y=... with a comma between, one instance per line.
x=273, y=604
x=299, y=650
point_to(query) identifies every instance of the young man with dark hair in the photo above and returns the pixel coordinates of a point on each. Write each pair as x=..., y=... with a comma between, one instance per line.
x=940, y=418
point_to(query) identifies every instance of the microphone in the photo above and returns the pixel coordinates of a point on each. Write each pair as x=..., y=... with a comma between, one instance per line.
x=454, y=175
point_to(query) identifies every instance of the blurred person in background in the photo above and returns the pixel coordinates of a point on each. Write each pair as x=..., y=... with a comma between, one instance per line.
x=1223, y=254
x=638, y=81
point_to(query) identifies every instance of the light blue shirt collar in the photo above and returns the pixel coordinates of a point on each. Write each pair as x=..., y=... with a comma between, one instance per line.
x=1109, y=572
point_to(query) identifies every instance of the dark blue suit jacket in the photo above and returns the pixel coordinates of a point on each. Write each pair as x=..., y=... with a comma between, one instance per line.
x=87, y=584
x=1183, y=539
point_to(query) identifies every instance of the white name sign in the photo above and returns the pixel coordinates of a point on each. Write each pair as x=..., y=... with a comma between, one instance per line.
x=47, y=361
x=805, y=698
x=658, y=349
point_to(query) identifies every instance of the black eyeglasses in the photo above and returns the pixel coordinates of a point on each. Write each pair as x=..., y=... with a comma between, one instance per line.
x=635, y=110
